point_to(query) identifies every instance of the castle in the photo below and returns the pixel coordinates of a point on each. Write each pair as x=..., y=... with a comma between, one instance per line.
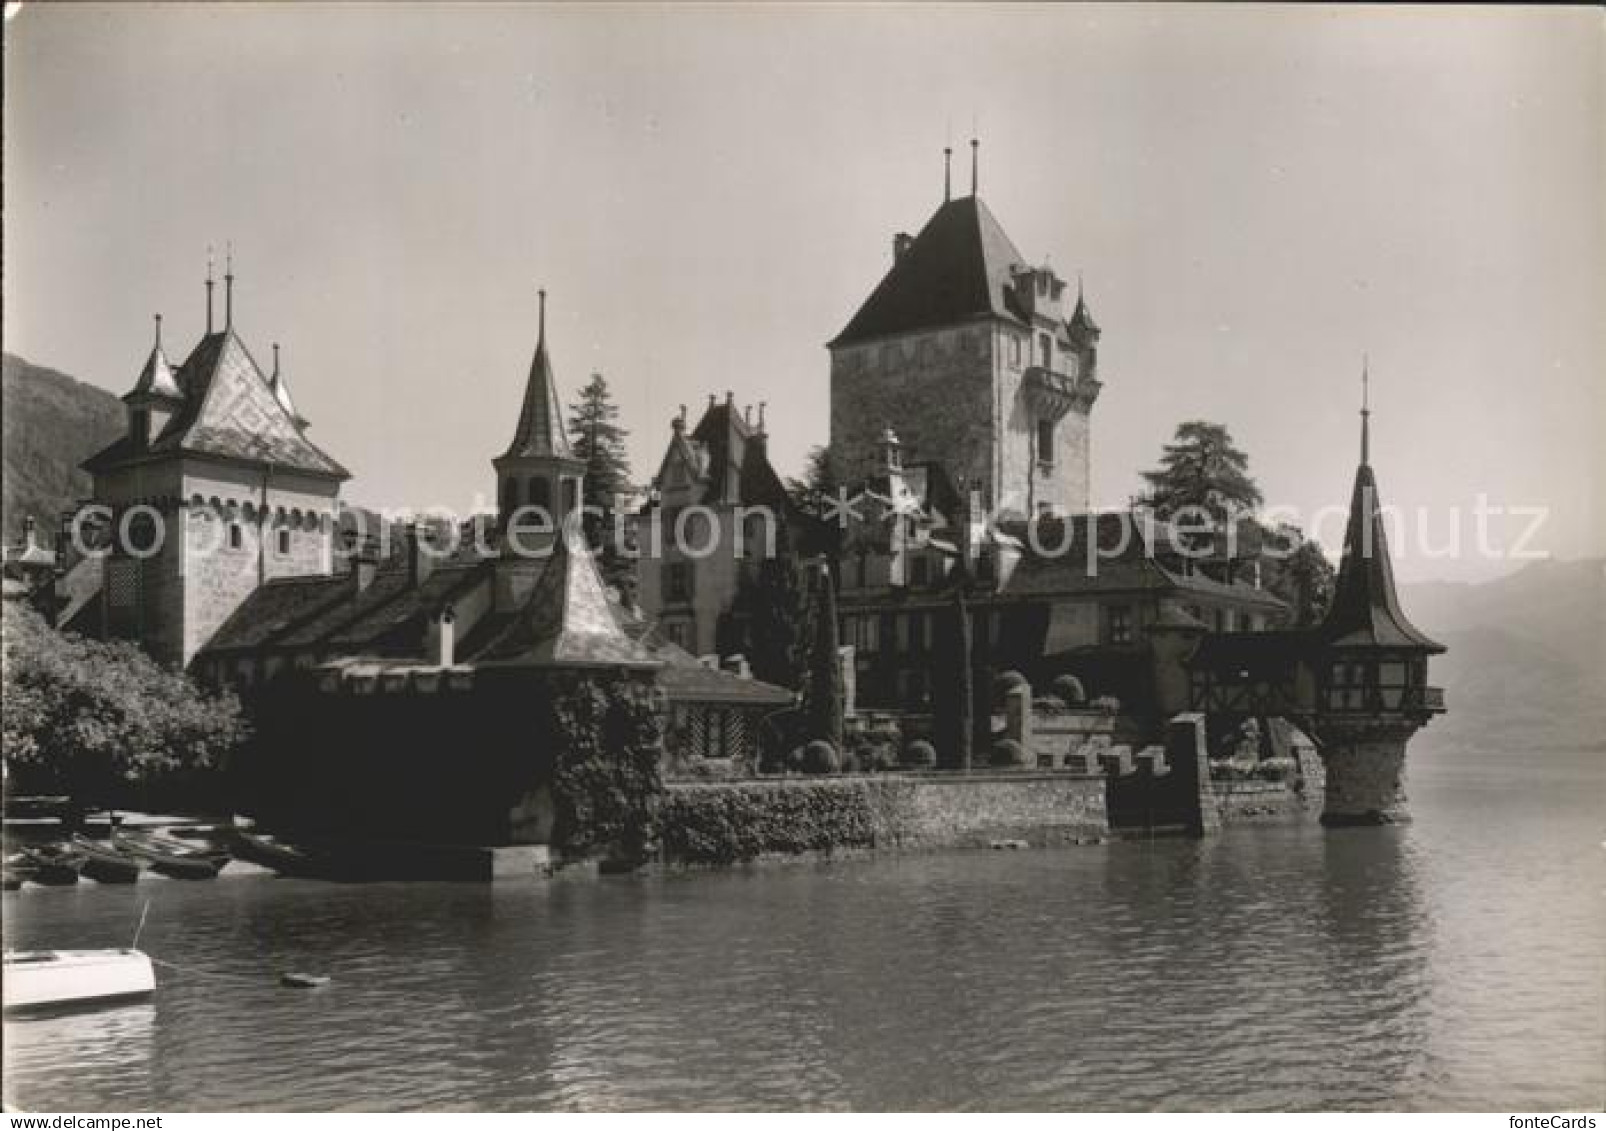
x=962, y=392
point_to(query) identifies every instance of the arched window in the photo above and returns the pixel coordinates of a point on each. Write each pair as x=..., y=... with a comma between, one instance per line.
x=234, y=536
x=1045, y=441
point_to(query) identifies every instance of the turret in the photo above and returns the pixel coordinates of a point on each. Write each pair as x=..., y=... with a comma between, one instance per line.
x=538, y=477
x=1371, y=667
x=155, y=397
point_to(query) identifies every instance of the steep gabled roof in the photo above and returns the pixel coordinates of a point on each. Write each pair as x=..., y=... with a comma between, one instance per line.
x=567, y=621
x=958, y=268
x=156, y=380
x=230, y=411
x=735, y=461
x=1366, y=609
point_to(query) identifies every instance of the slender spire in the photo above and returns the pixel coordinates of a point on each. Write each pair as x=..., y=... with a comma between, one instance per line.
x=974, y=166
x=228, y=286
x=209, y=288
x=275, y=361
x=540, y=431
x=947, y=173
x=1366, y=411
x=158, y=331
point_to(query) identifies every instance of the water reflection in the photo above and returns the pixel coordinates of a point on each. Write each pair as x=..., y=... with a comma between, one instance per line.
x=1428, y=966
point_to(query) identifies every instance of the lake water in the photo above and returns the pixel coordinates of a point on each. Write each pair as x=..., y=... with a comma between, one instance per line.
x=1459, y=962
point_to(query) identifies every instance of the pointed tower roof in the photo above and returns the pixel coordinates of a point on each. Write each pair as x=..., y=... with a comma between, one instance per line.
x=1366, y=609
x=230, y=412
x=957, y=269
x=540, y=432
x=1082, y=324
x=568, y=620
x=281, y=391
x=156, y=380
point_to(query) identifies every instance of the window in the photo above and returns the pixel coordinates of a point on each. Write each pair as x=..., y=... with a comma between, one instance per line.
x=234, y=535
x=539, y=493
x=284, y=542
x=676, y=631
x=860, y=631
x=1045, y=351
x=1045, y=441
x=677, y=581
x=1014, y=352
x=1118, y=624
x=920, y=570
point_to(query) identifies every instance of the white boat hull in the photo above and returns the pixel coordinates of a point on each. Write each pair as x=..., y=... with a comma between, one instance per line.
x=42, y=979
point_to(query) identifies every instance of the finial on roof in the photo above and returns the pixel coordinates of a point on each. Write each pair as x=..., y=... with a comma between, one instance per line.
x=208, y=288
x=975, y=179
x=228, y=284
x=947, y=173
x=158, y=331
x=541, y=317
x=1366, y=410
x=275, y=361
x=747, y=415
x=761, y=405
x=730, y=397
x=679, y=423
x=711, y=400
x=1078, y=284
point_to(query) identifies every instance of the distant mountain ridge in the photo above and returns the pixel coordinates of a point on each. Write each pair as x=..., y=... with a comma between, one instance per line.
x=1526, y=667
x=52, y=421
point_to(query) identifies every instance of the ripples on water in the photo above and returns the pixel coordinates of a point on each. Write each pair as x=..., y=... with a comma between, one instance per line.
x=1456, y=963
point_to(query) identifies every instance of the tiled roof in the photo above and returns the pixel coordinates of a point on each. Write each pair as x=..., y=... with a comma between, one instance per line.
x=1366, y=609
x=958, y=268
x=229, y=410
x=540, y=431
x=1103, y=553
x=156, y=379
x=735, y=460
x=686, y=679
x=567, y=620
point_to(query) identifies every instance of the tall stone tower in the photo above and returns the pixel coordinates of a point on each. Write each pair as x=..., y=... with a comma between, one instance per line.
x=538, y=478
x=972, y=356
x=1371, y=674
x=214, y=491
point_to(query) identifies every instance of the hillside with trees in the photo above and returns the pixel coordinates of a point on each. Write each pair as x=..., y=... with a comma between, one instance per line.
x=52, y=422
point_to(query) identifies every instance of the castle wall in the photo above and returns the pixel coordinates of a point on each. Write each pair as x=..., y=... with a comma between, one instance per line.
x=935, y=389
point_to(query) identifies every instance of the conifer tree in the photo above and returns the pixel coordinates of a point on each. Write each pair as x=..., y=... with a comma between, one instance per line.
x=823, y=699
x=1202, y=467
x=598, y=439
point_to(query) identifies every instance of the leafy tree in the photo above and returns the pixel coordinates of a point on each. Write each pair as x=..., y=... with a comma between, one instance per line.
x=768, y=622
x=1202, y=467
x=816, y=496
x=598, y=439
x=96, y=720
x=954, y=686
x=823, y=698
x=1296, y=570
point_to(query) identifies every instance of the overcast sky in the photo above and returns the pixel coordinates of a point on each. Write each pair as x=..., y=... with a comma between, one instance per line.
x=1255, y=196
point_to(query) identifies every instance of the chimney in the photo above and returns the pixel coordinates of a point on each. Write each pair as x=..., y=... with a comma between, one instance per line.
x=420, y=554
x=901, y=243
x=443, y=638
x=679, y=423
x=362, y=558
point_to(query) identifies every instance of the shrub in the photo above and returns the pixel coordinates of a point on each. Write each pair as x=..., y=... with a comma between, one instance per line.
x=884, y=759
x=1070, y=689
x=920, y=754
x=1048, y=705
x=1005, y=683
x=727, y=824
x=1008, y=753
x=851, y=762
x=820, y=757
x=1109, y=704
